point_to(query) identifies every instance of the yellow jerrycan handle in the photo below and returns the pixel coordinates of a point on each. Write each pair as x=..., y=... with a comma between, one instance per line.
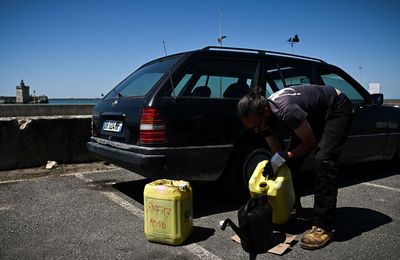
x=258, y=185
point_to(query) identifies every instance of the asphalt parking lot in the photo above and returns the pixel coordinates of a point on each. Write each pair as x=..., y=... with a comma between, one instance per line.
x=99, y=215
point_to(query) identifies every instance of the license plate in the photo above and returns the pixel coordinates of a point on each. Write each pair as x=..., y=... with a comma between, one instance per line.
x=112, y=126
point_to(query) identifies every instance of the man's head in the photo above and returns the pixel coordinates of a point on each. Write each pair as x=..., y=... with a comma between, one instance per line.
x=254, y=110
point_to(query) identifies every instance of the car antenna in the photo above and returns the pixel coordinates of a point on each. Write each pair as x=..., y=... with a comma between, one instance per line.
x=169, y=73
x=165, y=48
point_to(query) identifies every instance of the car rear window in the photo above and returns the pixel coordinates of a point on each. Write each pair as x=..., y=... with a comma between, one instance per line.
x=142, y=80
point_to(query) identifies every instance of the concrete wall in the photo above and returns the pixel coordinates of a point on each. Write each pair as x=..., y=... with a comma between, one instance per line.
x=32, y=141
x=17, y=110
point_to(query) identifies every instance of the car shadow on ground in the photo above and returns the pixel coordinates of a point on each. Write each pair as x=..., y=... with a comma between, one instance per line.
x=358, y=173
x=211, y=198
x=350, y=175
x=133, y=189
x=208, y=198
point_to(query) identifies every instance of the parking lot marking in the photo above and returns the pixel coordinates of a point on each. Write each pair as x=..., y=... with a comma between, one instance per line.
x=80, y=175
x=123, y=203
x=201, y=252
x=11, y=181
x=380, y=186
x=4, y=208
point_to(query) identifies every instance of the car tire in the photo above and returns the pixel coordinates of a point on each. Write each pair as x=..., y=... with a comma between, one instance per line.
x=241, y=166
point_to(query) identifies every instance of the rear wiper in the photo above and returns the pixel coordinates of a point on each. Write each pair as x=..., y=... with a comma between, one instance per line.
x=119, y=95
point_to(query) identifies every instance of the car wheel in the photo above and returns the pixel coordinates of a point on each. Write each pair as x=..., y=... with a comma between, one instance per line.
x=252, y=161
x=242, y=165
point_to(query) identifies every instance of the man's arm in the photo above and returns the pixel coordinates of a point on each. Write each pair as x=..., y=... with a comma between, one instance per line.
x=308, y=141
x=274, y=144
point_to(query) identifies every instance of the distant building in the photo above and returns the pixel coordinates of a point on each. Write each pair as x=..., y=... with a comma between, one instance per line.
x=23, y=93
x=374, y=88
x=23, y=96
x=7, y=100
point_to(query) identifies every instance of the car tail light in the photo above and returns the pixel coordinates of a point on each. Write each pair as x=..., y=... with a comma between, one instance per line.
x=93, y=128
x=152, y=127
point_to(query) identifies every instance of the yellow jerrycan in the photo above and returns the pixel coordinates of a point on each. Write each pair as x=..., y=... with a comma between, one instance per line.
x=168, y=211
x=278, y=188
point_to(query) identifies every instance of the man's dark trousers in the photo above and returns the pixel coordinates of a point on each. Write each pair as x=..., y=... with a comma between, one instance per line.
x=334, y=135
x=327, y=154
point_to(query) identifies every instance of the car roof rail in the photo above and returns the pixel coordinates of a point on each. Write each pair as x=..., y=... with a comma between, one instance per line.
x=263, y=52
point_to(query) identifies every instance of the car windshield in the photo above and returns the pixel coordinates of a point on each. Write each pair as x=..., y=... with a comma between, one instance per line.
x=142, y=80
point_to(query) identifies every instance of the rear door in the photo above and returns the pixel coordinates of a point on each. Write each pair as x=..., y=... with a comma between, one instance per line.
x=205, y=110
x=281, y=73
x=207, y=96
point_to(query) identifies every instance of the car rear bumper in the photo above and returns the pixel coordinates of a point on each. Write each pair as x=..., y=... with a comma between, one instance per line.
x=133, y=161
x=201, y=163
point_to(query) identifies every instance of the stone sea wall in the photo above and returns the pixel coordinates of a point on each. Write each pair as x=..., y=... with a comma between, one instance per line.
x=30, y=141
x=23, y=110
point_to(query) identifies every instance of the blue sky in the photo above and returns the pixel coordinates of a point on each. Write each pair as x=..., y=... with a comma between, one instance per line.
x=84, y=48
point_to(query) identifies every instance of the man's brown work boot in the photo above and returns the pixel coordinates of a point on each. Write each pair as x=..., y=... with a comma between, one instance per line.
x=316, y=238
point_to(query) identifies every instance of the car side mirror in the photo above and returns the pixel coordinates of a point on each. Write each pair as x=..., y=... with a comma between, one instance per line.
x=377, y=99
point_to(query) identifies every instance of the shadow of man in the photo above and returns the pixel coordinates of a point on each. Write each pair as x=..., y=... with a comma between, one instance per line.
x=352, y=222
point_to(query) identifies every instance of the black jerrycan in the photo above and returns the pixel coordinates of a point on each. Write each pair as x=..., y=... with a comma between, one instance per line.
x=255, y=225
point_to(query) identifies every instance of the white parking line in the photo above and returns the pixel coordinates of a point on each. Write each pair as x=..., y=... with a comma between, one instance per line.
x=194, y=248
x=123, y=203
x=5, y=208
x=78, y=175
x=201, y=252
x=11, y=181
x=380, y=186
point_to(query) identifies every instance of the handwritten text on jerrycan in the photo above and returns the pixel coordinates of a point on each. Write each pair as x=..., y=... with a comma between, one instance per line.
x=162, y=213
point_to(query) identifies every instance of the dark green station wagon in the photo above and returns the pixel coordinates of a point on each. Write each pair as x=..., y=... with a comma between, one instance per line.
x=176, y=117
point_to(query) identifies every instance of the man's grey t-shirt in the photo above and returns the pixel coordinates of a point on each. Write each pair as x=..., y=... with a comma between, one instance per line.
x=294, y=104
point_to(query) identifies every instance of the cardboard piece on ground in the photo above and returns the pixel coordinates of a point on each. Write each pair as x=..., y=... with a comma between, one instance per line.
x=279, y=249
x=290, y=239
x=236, y=238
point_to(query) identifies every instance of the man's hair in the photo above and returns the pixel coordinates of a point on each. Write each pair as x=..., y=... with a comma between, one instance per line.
x=254, y=102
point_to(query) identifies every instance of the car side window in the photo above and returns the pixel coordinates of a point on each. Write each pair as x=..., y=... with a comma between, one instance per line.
x=268, y=89
x=182, y=83
x=210, y=78
x=286, y=75
x=336, y=81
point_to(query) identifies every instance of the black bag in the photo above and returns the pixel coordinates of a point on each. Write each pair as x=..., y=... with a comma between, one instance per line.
x=255, y=225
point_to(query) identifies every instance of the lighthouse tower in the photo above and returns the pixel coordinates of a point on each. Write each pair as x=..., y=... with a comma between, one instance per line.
x=22, y=93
